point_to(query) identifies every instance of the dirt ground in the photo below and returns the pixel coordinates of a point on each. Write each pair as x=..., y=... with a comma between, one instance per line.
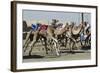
x=39, y=54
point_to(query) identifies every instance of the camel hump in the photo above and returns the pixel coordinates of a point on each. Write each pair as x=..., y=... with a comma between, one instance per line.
x=75, y=32
x=76, y=29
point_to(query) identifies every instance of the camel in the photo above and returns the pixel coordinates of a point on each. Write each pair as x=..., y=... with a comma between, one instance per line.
x=37, y=34
x=87, y=34
x=73, y=33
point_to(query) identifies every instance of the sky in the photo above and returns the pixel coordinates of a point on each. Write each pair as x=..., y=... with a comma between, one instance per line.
x=34, y=16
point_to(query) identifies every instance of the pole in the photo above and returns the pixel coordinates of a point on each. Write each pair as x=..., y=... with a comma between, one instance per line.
x=82, y=15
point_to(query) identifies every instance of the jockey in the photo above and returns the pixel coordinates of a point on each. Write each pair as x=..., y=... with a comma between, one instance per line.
x=59, y=26
x=43, y=27
x=87, y=26
x=35, y=26
x=82, y=37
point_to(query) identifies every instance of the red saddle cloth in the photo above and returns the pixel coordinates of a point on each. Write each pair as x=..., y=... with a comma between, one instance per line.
x=43, y=27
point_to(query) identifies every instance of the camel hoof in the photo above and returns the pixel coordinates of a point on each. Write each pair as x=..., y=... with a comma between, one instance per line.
x=72, y=52
x=58, y=55
x=24, y=50
x=29, y=53
x=47, y=53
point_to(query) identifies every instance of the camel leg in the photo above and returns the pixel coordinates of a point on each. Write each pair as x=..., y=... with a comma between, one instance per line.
x=50, y=41
x=56, y=48
x=45, y=43
x=27, y=41
x=27, y=38
x=86, y=41
x=72, y=43
x=32, y=45
x=81, y=42
x=55, y=45
x=25, y=47
x=35, y=39
x=66, y=42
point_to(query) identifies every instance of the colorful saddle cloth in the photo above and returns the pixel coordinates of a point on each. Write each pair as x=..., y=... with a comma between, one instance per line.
x=35, y=27
x=43, y=27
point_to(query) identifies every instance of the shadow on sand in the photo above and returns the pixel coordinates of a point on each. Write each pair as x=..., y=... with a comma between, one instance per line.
x=33, y=56
x=83, y=50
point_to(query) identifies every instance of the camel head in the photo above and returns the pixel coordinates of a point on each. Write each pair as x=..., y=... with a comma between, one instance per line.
x=84, y=24
x=54, y=21
x=67, y=26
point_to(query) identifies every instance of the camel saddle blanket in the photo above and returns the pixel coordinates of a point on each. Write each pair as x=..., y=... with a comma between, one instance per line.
x=43, y=27
x=35, y=27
